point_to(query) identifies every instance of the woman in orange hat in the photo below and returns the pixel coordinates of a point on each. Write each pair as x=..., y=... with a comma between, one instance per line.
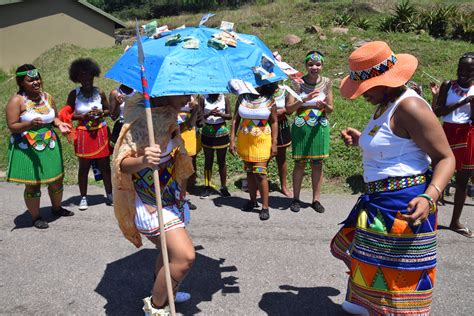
x=388, y=241
x=454, y=103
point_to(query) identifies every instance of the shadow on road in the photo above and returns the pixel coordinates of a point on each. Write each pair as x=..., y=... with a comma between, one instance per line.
x=127, y=281
x=24, y=220
x=237, y=202
x=95, y=199
x=301, y=301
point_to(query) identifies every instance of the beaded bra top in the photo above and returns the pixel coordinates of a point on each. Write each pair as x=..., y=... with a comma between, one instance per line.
x=38, y=109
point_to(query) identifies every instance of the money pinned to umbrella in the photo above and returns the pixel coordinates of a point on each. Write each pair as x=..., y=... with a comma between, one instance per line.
x=238, y=87
x=227, y=26
x=191, y=43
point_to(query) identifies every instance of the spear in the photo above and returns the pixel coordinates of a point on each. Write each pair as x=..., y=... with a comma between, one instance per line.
x=156, y=177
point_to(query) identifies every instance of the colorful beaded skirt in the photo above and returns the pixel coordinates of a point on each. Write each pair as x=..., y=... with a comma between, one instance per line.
x=310, y=136
x=35, y=157
x=254, y=140
x=92, y=142
x=192, y=142
x=284, y=133
x=392, y=263
x=215, y=136
x=175, y=210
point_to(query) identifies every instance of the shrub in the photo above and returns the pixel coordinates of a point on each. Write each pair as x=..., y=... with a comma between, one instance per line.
x=362, y=23
x=437, y=21
x=343, y=19
x=463, y=27
x=403, y=19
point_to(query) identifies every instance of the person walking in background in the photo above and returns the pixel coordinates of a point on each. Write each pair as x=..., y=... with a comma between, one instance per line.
x=455, y=104
x=34, y=153
x=117, y=99
x=255, y=124
x=215, y=139
x=388, y=241
x=90, y=106
x=310, y=130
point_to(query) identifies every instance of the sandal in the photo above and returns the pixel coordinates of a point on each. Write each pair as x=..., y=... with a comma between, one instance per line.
x=264, y=214
x=62, y=212
x=40, y=223
x=465, y=231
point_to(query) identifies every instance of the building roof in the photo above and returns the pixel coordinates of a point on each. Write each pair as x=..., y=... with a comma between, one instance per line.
x=118, y=23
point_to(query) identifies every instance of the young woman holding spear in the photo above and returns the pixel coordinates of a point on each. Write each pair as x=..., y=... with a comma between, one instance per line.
x=149, y=164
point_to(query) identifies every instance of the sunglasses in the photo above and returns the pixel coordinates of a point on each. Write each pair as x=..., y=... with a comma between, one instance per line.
x=33, y=73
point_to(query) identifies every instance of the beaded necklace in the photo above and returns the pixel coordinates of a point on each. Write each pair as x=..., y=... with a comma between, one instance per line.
x=458, y=90
x=40, y=106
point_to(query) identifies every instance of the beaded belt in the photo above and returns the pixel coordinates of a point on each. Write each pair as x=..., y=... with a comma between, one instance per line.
x=394, y=184
x=92, y=125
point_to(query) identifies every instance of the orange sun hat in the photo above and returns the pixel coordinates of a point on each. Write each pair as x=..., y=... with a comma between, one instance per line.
x=375, y=64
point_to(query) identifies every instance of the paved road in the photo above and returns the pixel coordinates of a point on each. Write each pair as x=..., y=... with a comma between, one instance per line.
x=82, y=265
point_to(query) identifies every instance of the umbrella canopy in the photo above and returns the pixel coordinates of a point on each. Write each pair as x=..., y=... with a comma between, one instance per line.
x=174, y=70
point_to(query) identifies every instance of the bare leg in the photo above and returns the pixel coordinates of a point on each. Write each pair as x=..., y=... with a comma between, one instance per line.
x=283, y=171
x=221, y=154
x=208, y=161
x=181, y=255
x=32, y=200
x=317, y=180
x=84, y=166
x=252, y=183
x=55, y=191
x=104, y=166
x=298, y=174
x=462, y=178
x=262, y=184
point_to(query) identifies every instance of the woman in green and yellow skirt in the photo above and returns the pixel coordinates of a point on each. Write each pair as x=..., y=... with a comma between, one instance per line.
x=34, y=153
x=215, y=139
x=310, y=131
x=256, y=125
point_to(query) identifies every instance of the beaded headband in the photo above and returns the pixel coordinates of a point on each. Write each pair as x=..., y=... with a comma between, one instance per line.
x=314, y=57
x=374, y=71
x=33, y=73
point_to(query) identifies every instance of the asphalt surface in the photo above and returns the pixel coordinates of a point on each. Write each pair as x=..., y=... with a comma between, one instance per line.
x=82, y=265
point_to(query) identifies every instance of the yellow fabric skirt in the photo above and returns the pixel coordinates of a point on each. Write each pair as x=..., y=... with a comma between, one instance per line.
x=254, y=144
x=192, y=143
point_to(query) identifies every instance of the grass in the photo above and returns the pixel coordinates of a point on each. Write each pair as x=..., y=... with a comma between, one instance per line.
x=271, y=22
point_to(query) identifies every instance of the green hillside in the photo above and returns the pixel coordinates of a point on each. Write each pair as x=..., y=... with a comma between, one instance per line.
x=271, y=22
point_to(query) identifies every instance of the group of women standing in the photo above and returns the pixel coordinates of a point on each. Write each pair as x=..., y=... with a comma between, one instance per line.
x=35, y=152
x=388, y=240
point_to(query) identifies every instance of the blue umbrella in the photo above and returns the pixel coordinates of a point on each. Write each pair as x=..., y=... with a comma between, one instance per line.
x=174, y=70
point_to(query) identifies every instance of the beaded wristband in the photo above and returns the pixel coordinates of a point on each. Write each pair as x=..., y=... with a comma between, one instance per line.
x=430, y=201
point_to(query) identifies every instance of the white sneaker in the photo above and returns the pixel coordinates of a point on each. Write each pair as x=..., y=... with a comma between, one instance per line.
x=83, y=204
x=182, y=297
x=110, y=199
x=149, y=310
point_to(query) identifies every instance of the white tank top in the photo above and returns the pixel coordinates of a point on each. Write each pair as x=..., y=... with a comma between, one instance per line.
x=84, y=105
x=209, y=106
x=280, y=97
x=38, y=109
x=385, y=154
x=461, y=115
x=255, y=109
x=127, y=96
